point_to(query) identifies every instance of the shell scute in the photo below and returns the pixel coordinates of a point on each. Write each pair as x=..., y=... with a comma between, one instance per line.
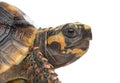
x=16, y=36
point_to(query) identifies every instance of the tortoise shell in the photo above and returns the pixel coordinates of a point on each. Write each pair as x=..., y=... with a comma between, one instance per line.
x=16, y=36
x=28, y=55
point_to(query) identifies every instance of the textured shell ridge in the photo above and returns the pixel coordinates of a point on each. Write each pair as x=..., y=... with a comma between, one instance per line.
x=16, y=36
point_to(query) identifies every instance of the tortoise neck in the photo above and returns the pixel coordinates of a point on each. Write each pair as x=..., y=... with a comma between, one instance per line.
x=40, y=40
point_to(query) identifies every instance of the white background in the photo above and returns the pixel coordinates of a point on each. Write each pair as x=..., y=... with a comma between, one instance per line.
x=101, y=64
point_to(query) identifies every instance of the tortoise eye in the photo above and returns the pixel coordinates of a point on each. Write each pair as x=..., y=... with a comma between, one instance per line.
x=70, y=32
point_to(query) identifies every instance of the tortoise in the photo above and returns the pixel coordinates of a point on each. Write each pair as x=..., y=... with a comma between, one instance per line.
x=30, y=55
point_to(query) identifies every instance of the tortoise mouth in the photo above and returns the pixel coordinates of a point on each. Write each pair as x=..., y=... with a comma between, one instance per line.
x=59, y=58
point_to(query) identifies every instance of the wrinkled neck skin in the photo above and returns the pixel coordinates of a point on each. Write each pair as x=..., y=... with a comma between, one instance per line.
x=41, y=42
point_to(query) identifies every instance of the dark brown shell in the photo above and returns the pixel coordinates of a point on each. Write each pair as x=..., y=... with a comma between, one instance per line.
x=16, y=36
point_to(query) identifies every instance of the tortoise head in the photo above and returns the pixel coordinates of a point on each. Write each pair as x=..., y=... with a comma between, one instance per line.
x=66, y=43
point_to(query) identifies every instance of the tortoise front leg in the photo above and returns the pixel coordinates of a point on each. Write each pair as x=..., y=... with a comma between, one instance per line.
x=17, y=81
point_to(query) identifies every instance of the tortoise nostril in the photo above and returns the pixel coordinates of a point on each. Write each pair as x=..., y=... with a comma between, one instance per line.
x=87, y=34
x=87, y=27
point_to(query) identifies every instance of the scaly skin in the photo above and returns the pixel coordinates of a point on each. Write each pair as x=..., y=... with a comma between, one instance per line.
x=33, y=69
x=28, y=55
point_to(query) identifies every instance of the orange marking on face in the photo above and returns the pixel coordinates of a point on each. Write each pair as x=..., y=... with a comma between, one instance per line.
x=86, y=27
x=57, y=38
x=76, y=51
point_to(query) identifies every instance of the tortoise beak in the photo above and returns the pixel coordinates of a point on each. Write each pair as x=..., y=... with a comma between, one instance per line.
x=87, y=34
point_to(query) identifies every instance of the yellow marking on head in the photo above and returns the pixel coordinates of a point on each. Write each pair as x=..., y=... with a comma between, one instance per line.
x=76, y=51
x=86, y=27
x=57, y=38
